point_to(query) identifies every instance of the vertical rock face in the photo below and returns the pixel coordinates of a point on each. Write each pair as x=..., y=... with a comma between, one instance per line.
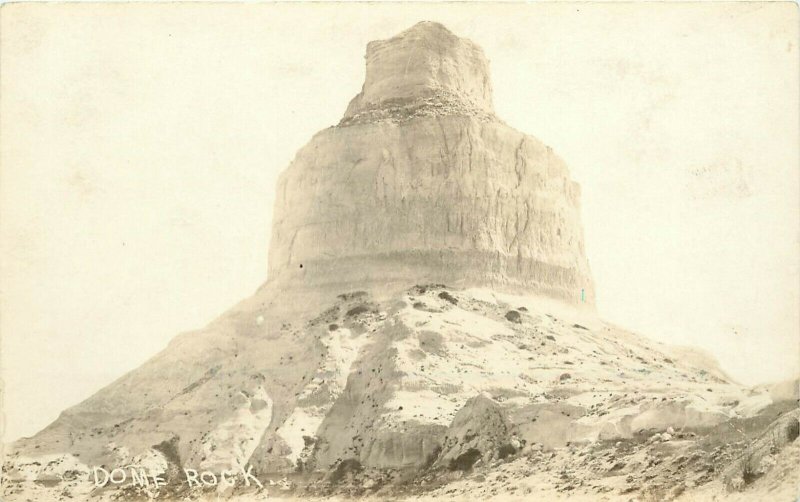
x=423, y=62
x=420, y=182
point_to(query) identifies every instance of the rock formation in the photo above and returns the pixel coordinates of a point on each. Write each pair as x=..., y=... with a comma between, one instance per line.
x=421, y=183
x=424, y=64
x=356, y=370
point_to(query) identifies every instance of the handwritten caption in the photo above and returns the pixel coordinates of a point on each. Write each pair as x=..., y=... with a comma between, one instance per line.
x=139, y=476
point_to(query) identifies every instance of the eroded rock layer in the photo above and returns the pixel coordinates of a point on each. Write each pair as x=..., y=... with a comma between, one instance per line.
x=425, y=61
x=421, y=183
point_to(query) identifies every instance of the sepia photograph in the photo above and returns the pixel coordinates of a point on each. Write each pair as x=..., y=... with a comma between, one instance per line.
x=400, y=251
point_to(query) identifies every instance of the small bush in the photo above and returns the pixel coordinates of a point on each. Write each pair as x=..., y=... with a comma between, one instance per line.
x=792, y=430
x=352, y=295
x=345, y=467
x=357, y=311
x=444, y=295
x=505, y=451
x=466, y=460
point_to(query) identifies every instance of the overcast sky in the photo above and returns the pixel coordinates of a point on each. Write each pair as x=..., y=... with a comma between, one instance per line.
x=141, y=144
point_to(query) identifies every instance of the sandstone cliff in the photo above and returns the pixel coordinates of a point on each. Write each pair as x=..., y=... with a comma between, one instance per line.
x=421, y=183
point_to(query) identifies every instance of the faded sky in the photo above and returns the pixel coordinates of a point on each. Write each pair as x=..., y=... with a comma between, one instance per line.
x=140, y=145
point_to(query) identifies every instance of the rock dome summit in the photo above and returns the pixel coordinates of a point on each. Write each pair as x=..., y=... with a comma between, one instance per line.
x=424, y=62
x=421, y=183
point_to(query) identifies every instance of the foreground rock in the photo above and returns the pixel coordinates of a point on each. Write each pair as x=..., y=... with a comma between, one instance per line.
x=365, y=395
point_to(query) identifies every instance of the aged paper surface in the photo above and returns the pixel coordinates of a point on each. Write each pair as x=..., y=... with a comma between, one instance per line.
x=422, y=250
